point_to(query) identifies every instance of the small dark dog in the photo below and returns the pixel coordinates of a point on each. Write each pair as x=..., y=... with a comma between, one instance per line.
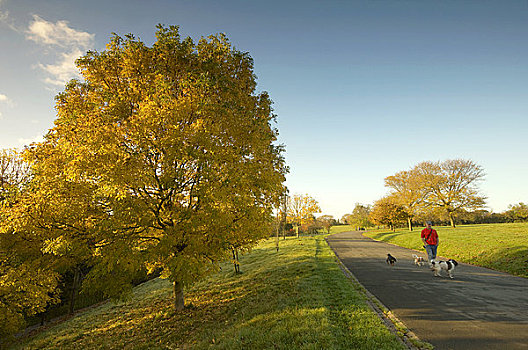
x=390, y=260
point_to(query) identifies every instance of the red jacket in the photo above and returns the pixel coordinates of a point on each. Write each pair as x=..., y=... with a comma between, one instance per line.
x=431, y=237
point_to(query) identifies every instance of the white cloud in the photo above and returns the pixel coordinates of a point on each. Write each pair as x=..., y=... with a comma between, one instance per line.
x=6, y=19
x=27, y=142
x=4, y=15
x=59, y=33
x=63, y=70
x=5, y=101
x=67, y=43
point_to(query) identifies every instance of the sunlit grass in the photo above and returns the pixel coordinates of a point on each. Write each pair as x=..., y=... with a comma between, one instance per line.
x=341, y=228
x=503, y=247
x=296, y=298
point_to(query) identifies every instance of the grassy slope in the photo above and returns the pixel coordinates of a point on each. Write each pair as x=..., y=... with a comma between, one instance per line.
x=502, y=247
x=297, y=298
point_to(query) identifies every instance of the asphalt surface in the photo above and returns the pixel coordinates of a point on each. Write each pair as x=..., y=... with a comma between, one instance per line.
x=478, y=309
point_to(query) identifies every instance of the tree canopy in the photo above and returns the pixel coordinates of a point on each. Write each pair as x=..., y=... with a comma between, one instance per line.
x=452, y=185
x=302, y=209
x=408, y=190
x=26, y=287
x=386, y=211
x=359, y=216
x=449, y=187
x=164, y=158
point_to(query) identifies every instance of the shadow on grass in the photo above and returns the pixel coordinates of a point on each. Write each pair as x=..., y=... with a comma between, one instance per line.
x=514, y=260
x=295, y=299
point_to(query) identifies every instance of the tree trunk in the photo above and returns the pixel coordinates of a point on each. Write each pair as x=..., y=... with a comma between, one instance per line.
x=452, y=219
x=234, y=259
x=237, y=262
x=409, y=220
x=297, y=230
x=178, y=296
x=278, y=232
x=75, y=285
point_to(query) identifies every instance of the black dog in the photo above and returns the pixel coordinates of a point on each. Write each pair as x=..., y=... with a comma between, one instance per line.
x=390, y=260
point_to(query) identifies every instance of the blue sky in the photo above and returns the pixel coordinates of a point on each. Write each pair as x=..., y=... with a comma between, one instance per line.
x=362, y=89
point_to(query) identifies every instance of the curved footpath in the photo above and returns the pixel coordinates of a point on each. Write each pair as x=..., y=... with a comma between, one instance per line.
x=478, y=309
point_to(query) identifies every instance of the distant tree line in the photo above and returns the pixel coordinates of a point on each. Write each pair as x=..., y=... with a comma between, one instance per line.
x=445, y=192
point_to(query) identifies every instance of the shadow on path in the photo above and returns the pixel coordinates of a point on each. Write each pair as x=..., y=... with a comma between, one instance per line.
x=478, y=309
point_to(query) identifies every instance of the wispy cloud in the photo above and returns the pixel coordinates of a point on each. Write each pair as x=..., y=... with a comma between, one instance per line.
x=26, y=142
x=4, y=101
x=6, y=19
x=59, y=33
x=63, y=70
x=4, y=16
x=68, y=44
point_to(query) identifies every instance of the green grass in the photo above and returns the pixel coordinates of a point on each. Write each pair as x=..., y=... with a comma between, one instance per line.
x=341, y=228
x=502, y=247
x=297, y=298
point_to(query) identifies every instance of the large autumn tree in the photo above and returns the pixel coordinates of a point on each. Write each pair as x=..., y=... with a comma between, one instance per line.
x=407, y=188
x=452, y=185
x=172, y=154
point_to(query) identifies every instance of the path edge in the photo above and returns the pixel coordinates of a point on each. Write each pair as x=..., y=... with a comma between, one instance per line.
x=395, y=326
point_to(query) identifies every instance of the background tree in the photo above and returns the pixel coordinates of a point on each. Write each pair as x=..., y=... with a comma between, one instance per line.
x=175, y=152
x=387, y=212
x=283, y=214
x=302, y=210
x=517, y=212
x=408, y=189
x=326, y=221
x=452, y=185
x=359, y=217
x=74, y=221
x=15, y=176
x=26, y=286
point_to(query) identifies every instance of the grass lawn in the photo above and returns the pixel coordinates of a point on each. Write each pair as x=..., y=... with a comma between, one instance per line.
x=502, y=247
x=297, y=298
x=341, y=228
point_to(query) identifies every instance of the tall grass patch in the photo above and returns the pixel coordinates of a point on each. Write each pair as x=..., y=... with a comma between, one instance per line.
x=502, y=247
x=296, y=298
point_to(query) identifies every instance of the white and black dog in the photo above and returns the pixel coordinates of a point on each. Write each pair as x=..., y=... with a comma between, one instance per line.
x=418, y=260
x=448, y=266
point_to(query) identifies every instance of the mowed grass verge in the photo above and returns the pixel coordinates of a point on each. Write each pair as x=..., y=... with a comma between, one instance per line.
x=502, y=247
x=296, y=298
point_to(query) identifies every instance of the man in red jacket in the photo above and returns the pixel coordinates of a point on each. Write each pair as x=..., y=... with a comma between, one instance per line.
x=430, y=240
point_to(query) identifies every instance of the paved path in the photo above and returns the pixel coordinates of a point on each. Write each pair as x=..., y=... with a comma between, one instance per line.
x=478, y=309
